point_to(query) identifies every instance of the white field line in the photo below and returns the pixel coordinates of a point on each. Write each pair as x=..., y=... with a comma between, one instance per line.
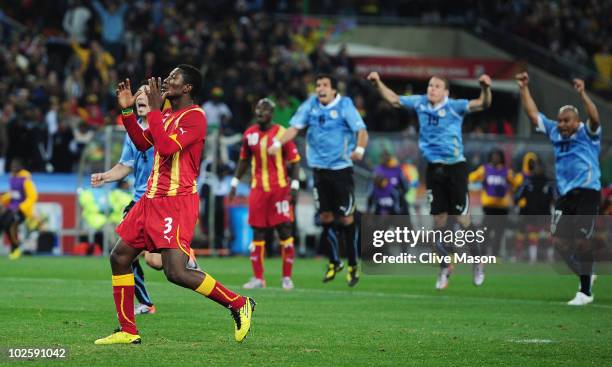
x=531, y=341
x=348, y=293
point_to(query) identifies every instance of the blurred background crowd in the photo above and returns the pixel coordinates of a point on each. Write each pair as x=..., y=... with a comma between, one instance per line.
x=59, y=66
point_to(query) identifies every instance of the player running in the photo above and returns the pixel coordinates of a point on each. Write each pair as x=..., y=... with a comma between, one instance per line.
x=272, y=197
x=441, y=144
x=164, y=219
x=18, y=204
x=335, y=138
x=576, y=147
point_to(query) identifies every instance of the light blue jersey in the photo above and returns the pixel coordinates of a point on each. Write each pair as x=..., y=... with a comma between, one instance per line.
x=440, y=138
x=332, y=131
x=141, y=163
x=576, y=157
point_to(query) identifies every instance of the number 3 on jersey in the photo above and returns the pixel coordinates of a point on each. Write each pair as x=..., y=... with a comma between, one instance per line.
x=167, y=225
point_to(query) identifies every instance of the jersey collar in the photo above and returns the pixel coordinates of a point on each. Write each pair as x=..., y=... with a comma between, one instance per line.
x=438, y=106
x=330, y=104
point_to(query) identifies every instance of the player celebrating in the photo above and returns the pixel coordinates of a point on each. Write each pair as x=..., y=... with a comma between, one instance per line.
x=19, y=203
x=332, y=122
x=440, y=142
x=164, y=219
x=271, y=196
x=576, y=146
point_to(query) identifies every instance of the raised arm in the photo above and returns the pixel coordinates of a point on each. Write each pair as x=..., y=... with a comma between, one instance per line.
x=526, y=100
x=141, y=138
x=192, y=121
x=387, y=94
x=593, y=121
x=485, y=98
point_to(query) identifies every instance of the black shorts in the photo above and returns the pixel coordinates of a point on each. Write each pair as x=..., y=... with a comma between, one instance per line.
x=447, y=188
x=575, y=214
x=128, y=207
x=10, y=217
x=334, y=191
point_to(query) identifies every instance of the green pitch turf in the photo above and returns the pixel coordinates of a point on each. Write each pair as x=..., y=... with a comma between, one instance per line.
x=513, y=320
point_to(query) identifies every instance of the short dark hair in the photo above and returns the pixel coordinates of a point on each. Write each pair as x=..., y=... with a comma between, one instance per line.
x=191, y=75
x=444, y=80
x=333, y=81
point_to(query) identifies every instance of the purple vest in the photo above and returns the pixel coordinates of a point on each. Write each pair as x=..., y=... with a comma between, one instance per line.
x=495, y=181
x=17, y=190
x=392, y=174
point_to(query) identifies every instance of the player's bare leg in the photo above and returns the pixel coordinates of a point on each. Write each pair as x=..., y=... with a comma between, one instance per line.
x=257, y=254
x=176, y=271
x=465, y=221
x=440, y=223
x=121, y=259
x=578, y=256
x=329, y=241
x=349, y=235
x=285, y=233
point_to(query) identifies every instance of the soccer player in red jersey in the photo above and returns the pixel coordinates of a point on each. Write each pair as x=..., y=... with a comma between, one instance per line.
x=163, y=220
x=272, y=197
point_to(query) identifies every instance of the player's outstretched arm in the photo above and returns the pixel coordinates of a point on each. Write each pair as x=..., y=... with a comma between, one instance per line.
x=387, y=94
x=526, y=100
x=485, y=98
x=243, y=165
x=593, y=121
x=125, y=99
x=288, y=135
x=118, y=172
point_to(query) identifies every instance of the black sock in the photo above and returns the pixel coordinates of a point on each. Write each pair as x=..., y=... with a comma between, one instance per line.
x=329, y=242
x=350, y=243
x=140, y=291
x=585, y=284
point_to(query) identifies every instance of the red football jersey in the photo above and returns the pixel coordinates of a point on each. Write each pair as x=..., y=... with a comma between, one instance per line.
x=177, y=173
x=267, y=171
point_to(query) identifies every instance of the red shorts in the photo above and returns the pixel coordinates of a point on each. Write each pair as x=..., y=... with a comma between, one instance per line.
x=269, y=209
x=158, y=223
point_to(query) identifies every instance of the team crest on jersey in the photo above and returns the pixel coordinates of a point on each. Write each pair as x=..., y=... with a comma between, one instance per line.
x=333, y=114
x=442, y=113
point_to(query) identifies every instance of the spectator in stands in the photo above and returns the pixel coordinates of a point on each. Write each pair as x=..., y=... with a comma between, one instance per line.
x=112, y=25
x=75, y=21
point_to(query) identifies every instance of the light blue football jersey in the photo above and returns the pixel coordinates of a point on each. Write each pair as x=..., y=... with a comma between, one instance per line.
x=332, y=131
x=576, y=157
x=141, y=163
x=440, y=138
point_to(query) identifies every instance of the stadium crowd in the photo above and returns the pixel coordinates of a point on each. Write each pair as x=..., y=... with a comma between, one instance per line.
x=60, y=68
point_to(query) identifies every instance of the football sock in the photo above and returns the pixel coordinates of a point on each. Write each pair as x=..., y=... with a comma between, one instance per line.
x=329, y=240
x=123, y=293
x=140, y=291
x=217, y=292
x=257, y=256
x=288, y=254
x=350, y=243
x=585, y=284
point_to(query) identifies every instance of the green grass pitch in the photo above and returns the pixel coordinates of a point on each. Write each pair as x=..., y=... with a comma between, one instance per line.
x=513, y=320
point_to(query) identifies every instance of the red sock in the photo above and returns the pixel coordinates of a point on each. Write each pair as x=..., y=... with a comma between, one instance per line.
x=257, y=256
x=218, y=293
x=123, y=293
x=288, y=254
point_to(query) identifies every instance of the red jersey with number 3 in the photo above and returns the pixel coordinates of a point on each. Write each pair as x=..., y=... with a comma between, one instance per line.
x=268, y=172
x=177, y=174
